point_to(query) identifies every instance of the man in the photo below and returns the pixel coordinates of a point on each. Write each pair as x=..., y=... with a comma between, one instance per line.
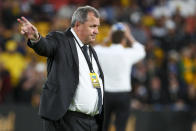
x=116, y=62
x=72, y=96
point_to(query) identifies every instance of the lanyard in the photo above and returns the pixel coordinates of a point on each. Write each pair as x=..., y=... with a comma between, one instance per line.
x=88, y=60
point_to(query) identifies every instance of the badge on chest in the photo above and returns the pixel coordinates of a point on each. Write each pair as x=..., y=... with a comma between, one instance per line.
x=94, y=80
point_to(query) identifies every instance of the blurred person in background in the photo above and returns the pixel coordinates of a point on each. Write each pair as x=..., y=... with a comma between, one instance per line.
x=191, y=101
x=117, y=62
x=157, y=95
x=2, y=37
x=72, y=96
x=5, y=84
x=30, y=84
x=176, y=94
x=13, y=61
x=174, y=39
x=139, y=81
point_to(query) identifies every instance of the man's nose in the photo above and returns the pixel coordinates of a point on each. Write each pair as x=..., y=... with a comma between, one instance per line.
x=96, y=31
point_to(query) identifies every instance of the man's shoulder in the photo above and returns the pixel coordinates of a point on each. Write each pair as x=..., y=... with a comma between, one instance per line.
x=66, y=33
x=57, y=33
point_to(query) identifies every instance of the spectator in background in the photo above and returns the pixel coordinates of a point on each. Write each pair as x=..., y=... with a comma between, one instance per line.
x=174, y=39
x=5, y=84
x=187, y=66
x=30, y=83
x=158, y=30
x=8, y=14
x=191, y=100
x=138, y=30
x=139, y=81
x=176, y=94
x=139, y=97
x=2, y=37
x=157, y=95
x=117, y=62
x=24, y=89
x=13, y=61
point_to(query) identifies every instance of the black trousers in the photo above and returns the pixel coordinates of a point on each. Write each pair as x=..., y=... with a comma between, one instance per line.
x=119, y=105
x=72, y=121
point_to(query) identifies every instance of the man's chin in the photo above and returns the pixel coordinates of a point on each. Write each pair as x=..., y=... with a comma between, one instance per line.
x=91, y=41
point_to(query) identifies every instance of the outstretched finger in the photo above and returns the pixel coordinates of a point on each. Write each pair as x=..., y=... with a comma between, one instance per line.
x=25, y=20
x=20, y=21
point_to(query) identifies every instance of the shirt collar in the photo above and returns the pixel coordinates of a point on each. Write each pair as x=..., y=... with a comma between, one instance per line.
x=76, y=37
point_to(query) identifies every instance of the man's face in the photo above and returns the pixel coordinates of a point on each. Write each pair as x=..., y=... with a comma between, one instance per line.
x=89, y=29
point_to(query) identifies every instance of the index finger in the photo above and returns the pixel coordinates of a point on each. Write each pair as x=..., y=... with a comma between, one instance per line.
x=25, y=20
x=20, y=21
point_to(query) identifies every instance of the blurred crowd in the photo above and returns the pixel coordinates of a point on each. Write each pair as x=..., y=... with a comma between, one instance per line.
x=164, y=80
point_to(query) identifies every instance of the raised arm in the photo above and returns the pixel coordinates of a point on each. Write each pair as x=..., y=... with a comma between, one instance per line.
x=137, y=50
x=42, y=46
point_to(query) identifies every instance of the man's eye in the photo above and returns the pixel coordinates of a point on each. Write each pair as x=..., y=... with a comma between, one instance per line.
x=93, y=26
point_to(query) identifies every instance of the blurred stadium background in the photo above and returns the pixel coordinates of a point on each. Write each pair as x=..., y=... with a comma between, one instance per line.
x=164, y=83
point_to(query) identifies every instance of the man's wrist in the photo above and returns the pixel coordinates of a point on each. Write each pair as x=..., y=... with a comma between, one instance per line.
x=36, y=40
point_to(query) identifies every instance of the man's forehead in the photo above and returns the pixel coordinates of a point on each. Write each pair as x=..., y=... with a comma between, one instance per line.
x=94, y=19
x=92, y=14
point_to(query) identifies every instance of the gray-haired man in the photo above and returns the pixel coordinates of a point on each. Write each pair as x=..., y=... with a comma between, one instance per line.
x=72, y=96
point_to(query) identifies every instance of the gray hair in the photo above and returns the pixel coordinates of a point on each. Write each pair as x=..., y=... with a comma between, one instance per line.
x=81, y=13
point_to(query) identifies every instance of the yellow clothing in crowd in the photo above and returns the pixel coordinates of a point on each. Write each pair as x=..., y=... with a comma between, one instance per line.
x=13, y=61
x=15, y=64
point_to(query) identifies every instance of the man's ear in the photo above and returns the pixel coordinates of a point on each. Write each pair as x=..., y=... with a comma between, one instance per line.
x=77, y=24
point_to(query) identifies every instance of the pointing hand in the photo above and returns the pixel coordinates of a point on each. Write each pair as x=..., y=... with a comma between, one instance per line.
x=27, y=29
